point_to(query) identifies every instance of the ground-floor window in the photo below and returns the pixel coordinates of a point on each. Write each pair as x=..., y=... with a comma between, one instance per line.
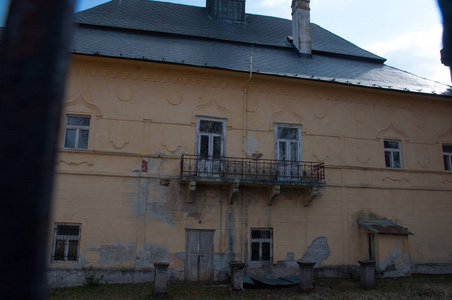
x=261, y=245
x=66, y=242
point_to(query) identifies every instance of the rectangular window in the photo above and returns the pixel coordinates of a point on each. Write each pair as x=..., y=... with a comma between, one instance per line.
x=447, y=156
x=77, y=132
x=210, y=146
x=262, y=245
x=66, y=242
x=393, y=155
x=288, y=152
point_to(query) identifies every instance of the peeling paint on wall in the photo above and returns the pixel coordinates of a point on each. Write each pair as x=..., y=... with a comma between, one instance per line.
x=115, y=254
x=156, y=213
x=395, y=265
x=221, y=261
x=317, y=252
x=156, y=165
x=151, y=254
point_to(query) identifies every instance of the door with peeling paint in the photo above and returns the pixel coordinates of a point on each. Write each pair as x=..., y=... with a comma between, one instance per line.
x=199, y=255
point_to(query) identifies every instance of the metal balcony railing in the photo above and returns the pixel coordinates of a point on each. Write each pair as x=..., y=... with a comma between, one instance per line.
x=258, y=171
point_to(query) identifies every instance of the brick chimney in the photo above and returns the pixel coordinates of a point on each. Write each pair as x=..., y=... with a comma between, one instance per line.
x=301, y=26
x=232, y=10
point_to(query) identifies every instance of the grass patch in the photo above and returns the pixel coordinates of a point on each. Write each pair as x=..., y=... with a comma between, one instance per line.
x=412, y=288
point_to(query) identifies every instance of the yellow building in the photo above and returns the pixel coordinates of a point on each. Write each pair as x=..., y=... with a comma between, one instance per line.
x=202, y=135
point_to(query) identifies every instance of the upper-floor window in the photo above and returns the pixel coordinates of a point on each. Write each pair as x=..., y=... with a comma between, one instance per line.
x=76, y=132
x=210, y=146
x=447, y=156
x=393, y=155
x=66, y=242
x=288, y=151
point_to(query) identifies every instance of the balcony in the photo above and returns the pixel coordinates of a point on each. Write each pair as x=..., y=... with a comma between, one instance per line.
x=251, y=171
x=246, y=171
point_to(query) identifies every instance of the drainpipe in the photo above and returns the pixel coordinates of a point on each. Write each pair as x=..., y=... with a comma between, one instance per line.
x=245, y=107
x=245, y=103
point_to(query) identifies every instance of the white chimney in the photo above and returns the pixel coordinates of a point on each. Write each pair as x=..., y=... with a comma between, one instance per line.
x=301, y=26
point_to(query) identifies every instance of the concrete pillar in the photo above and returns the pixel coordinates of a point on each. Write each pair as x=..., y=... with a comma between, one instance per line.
x=367, y=273
x=160, y=279
x=306, y=276
x=237, y=276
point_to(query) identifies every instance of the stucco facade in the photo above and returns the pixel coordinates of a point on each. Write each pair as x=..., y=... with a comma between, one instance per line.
x=126, y=194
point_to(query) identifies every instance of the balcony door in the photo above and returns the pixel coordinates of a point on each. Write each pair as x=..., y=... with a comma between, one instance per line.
x=288, y=152
x=210, y=146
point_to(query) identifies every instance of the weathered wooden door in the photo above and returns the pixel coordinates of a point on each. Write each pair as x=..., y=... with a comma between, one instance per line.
x=199, y=255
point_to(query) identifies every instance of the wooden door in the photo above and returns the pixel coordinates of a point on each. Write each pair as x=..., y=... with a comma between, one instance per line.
x=199, y=255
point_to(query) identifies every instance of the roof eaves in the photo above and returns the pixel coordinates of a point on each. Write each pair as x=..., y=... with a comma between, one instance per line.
x=362, y=84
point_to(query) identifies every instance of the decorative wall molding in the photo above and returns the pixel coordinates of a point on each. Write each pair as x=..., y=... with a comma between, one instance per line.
x=446, y=136
x=223, y=112
x=363, y=158
x=124, y=92
x=320, y=150
x=286, y=116
x=172, y=139
x=366, y=98
x=383, y=132
x=360, y=115
x=82, y=101
x=174, y=97
x=74, y=163
x=119, y=137
x=419, y=119
x=120, y=146
x=387, y=178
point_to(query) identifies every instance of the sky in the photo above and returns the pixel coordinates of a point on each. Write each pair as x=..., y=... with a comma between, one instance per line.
x=405, y=32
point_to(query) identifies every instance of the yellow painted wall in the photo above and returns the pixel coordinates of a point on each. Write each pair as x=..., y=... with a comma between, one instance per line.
x=147, y=112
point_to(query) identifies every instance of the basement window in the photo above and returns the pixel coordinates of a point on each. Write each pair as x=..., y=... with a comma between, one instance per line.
x=66, y=242
x=261, y=245
x=447, y=156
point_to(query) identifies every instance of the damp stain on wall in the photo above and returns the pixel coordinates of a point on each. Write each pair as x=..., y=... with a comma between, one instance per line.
x=115, y=254
x=150, y=254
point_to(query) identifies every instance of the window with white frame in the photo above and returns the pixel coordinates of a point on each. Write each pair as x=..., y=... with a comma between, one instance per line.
x=66, y=242
x=210, y=137
x=288, y=151
x=261, y=245
x=77, y=132
x=393, y=154
x=447, y=156
x=210, y=146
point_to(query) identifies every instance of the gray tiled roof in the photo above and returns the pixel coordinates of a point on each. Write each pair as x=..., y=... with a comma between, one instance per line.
x=194, y=21
x=181, y=34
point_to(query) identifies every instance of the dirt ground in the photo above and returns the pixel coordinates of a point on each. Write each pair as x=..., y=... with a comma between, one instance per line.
x=414, y=287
